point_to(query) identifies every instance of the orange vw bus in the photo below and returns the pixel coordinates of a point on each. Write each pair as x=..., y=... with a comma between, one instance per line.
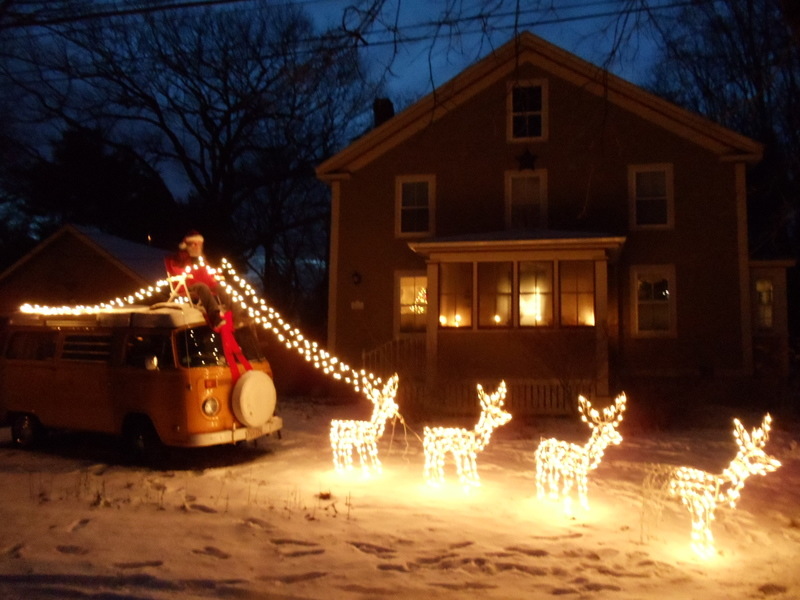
x=153, y=375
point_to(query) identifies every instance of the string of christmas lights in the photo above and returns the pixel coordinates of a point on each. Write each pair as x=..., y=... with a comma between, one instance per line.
x=561, y=465
x=700, y=492
x=257, y=308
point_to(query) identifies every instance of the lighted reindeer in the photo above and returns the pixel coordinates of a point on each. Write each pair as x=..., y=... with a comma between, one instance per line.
x=561, y=465
x=464, y=444
x=362, y=436
x=701, y=492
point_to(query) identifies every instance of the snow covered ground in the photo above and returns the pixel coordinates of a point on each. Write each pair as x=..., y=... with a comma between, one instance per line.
x=275, y=521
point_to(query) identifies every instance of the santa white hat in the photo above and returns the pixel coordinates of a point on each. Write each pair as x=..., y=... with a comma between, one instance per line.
x=192, y=236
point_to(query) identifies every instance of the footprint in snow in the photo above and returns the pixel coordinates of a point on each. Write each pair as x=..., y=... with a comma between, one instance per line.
x=78, y=525
x=68, y=549
x=212, y=551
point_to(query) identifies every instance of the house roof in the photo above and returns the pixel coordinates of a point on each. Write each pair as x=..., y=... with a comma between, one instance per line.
x=528, y=48
x=141, y=262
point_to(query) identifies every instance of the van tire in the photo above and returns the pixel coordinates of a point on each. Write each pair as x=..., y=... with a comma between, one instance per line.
x=26, y=431
x=141, y=444
x=254, y=398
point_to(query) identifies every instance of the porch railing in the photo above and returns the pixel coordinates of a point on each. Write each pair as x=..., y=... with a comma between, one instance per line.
x=406, y=356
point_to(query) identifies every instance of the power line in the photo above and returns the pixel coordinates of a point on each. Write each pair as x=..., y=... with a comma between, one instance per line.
x=405, y=34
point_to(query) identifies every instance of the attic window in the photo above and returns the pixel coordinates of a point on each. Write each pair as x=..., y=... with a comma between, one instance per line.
x=527, y=111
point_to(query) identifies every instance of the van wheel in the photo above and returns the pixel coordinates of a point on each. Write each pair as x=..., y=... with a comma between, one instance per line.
x=26, y=431
x=141, y=443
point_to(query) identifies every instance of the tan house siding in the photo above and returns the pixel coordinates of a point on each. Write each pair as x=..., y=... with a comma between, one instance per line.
x=600, y=132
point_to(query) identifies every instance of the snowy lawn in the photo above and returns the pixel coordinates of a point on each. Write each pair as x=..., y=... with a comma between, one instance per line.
x=275, y=521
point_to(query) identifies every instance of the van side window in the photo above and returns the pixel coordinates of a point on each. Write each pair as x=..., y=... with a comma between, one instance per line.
x=138, y=347
x=94, y=348
x=32, y=345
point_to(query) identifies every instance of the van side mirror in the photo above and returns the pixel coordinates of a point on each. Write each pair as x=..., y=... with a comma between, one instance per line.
x=151, y=363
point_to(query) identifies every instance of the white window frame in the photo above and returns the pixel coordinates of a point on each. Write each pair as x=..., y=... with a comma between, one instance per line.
x=668, y=171
x=398, y=275
x=541, y=83
x=663, y=272
x=542, y=175
x=398, y=204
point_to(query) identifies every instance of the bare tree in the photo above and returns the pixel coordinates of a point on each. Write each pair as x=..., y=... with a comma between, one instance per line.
x=735, y=61
x=238, y=104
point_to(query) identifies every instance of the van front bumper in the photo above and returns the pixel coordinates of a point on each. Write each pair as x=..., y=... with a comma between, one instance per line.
x=231, y=436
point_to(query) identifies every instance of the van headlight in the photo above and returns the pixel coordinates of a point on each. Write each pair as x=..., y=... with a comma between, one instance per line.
x=210, y=406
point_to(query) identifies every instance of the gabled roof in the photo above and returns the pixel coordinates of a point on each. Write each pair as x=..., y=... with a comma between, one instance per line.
x=528, y=48
x=141, y=262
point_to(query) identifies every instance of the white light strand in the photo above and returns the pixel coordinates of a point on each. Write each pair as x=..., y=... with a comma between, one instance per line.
x=266, y=316
x=701, y=492
x=362, y=436
x=561, y=465
x=464, y=444
x=242, y=293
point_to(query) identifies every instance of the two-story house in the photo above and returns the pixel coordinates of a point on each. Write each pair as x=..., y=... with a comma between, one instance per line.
x=539, y=220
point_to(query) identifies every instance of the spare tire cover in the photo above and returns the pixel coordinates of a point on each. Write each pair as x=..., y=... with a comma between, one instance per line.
x=254, y=398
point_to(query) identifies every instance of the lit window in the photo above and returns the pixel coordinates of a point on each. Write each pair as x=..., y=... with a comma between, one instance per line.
x=527, y=111
x=526, y=206
x=576, y=281
x=654, y=300
x=536, y=294
x=494, y=294
x=764, y=303
x=413, y=303
x=455, y=295
x=414, y=204
x=650, y=196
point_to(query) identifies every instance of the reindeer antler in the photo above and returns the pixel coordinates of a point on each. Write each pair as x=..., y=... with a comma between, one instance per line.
x=612, y=414
x=496, y=398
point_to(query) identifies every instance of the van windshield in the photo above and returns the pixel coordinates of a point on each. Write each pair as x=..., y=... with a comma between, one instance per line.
x=202, y=347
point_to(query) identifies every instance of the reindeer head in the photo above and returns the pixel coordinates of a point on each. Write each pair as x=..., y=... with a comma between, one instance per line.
x=383, y=399
x=492, y=412
x=751, y=458
x=604, y=427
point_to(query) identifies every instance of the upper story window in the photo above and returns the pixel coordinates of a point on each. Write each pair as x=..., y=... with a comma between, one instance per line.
x=527, y=110
x=526, y=199
x=654, y=301
x=414, y=205
x=650, y=196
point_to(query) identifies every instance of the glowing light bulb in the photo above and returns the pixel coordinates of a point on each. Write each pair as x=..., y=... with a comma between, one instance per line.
x=463, y=444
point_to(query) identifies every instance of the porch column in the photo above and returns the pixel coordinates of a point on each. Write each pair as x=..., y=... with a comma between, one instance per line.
x=432, y=324
x=601, y=326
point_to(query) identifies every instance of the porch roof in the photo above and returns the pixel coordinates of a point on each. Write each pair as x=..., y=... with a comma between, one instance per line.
x=519, y=241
